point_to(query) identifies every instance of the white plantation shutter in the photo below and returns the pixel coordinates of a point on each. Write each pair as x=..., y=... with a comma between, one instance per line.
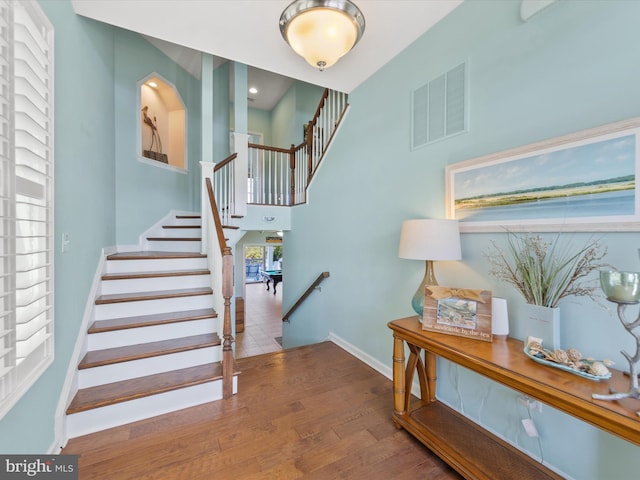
x=26, y=183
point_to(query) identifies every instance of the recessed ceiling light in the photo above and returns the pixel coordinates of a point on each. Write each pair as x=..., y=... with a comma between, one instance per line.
x=152, y=84
x=253, y=90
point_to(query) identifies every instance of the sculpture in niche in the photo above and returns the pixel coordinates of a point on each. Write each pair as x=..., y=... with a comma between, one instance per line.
x=155, y=138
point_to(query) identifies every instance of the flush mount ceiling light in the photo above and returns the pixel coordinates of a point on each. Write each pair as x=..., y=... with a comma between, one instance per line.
x=322, y=31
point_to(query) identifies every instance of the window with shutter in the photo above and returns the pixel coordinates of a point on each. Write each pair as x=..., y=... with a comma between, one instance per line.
x=26, y=198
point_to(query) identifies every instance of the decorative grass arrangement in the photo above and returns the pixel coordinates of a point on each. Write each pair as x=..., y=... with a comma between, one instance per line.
x=545, y=272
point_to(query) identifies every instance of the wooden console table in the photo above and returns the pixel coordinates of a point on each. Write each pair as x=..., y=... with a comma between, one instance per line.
x=463, y=444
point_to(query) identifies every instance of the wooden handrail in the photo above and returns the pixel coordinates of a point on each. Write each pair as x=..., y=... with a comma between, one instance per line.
x=304, y=296
x=216, y=216
x=227, y=293
x=293, y=149
x=225, y=162
x=268, y=148
x=323, y=99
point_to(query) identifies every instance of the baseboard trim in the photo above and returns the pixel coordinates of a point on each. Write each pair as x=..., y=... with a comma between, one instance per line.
x=374, y=363
x=70, y=385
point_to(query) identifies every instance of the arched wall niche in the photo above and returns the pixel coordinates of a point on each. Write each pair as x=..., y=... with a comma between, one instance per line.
x=163, y=123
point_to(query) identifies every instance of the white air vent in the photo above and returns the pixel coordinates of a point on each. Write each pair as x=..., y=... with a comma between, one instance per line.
x=440, y=107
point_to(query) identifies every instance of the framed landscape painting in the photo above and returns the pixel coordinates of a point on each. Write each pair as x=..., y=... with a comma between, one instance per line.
x=585, y=181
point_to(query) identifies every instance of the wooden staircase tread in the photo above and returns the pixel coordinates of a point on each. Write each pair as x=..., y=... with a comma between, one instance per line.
x=117, y=392
x=153, y=255
x=110, y=356
x=155, y=295
x=231, y=227
x=237, y=216
x=167, y=273
x=181, y=226
x=114, y=324
x=187, y=216
x=174, y=239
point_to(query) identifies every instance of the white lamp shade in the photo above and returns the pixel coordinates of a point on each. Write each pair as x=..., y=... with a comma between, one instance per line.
x=499, y=316
x=430, y=239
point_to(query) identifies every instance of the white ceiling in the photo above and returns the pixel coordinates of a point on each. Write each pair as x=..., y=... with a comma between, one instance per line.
x=247, y=31
x=271, y=86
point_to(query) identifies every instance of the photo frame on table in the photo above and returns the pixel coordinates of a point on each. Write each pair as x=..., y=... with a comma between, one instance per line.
x=458, y=311
x=585, y=181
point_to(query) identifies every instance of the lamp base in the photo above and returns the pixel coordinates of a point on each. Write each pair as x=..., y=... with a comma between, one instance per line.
x=417, y=302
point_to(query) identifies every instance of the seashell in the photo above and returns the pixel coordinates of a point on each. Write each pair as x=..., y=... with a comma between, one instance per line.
x=561, y=356
x=536, y=346
x=574, y=355
x=598, y=368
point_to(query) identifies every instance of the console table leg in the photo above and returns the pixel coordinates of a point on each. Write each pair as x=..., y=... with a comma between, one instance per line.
x=398, y=377
x=430, y=360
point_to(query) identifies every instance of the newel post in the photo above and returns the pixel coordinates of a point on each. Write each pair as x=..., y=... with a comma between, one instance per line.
x=227, y=351
x=292, y=169
x=309, y=140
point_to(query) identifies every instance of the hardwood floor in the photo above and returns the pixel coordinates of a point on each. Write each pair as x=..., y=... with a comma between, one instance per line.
x=313, y=412
x=263, y=321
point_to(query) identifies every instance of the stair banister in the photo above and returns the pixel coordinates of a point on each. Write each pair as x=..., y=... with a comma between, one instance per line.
x=227, y=338
x=224, y=176
x=226, y=263
x=305, y=295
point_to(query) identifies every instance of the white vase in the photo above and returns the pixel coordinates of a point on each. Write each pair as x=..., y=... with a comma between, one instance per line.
x=499, y=317
x=544, y=323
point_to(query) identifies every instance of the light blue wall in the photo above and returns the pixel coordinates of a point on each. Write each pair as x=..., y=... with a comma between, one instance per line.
x=221, y=113
x=103, y=195
x=260, y=122
x=84, y=206
x=569, y=68
x=146, y=192
x=296, y=108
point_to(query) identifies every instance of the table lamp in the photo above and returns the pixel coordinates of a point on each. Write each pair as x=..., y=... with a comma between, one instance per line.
x=428, y=239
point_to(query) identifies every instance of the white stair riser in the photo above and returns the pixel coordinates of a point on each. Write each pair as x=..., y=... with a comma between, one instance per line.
x=155, y=265
x=155, y=333
x=83, y=423
x=173, y=246
x=90, y=377
x=132, y=285
x=183, y=221
x=150, y=307
x=180, y=232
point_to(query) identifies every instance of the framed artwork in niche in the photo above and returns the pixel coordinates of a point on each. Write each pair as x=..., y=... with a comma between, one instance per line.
x=585, y=181
x=458, y=311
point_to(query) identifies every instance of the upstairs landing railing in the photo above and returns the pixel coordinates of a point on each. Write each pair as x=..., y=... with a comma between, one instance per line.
x=281, y=176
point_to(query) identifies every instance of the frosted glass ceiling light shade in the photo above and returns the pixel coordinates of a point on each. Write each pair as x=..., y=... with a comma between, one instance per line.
x=322, y=31
x=429, y=240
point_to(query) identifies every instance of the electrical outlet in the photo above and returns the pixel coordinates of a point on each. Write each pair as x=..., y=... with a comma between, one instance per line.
x=530, y=403
x=530, y=427
x=65, y=243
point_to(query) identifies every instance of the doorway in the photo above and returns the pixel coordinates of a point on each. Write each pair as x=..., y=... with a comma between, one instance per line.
x=262, y=307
